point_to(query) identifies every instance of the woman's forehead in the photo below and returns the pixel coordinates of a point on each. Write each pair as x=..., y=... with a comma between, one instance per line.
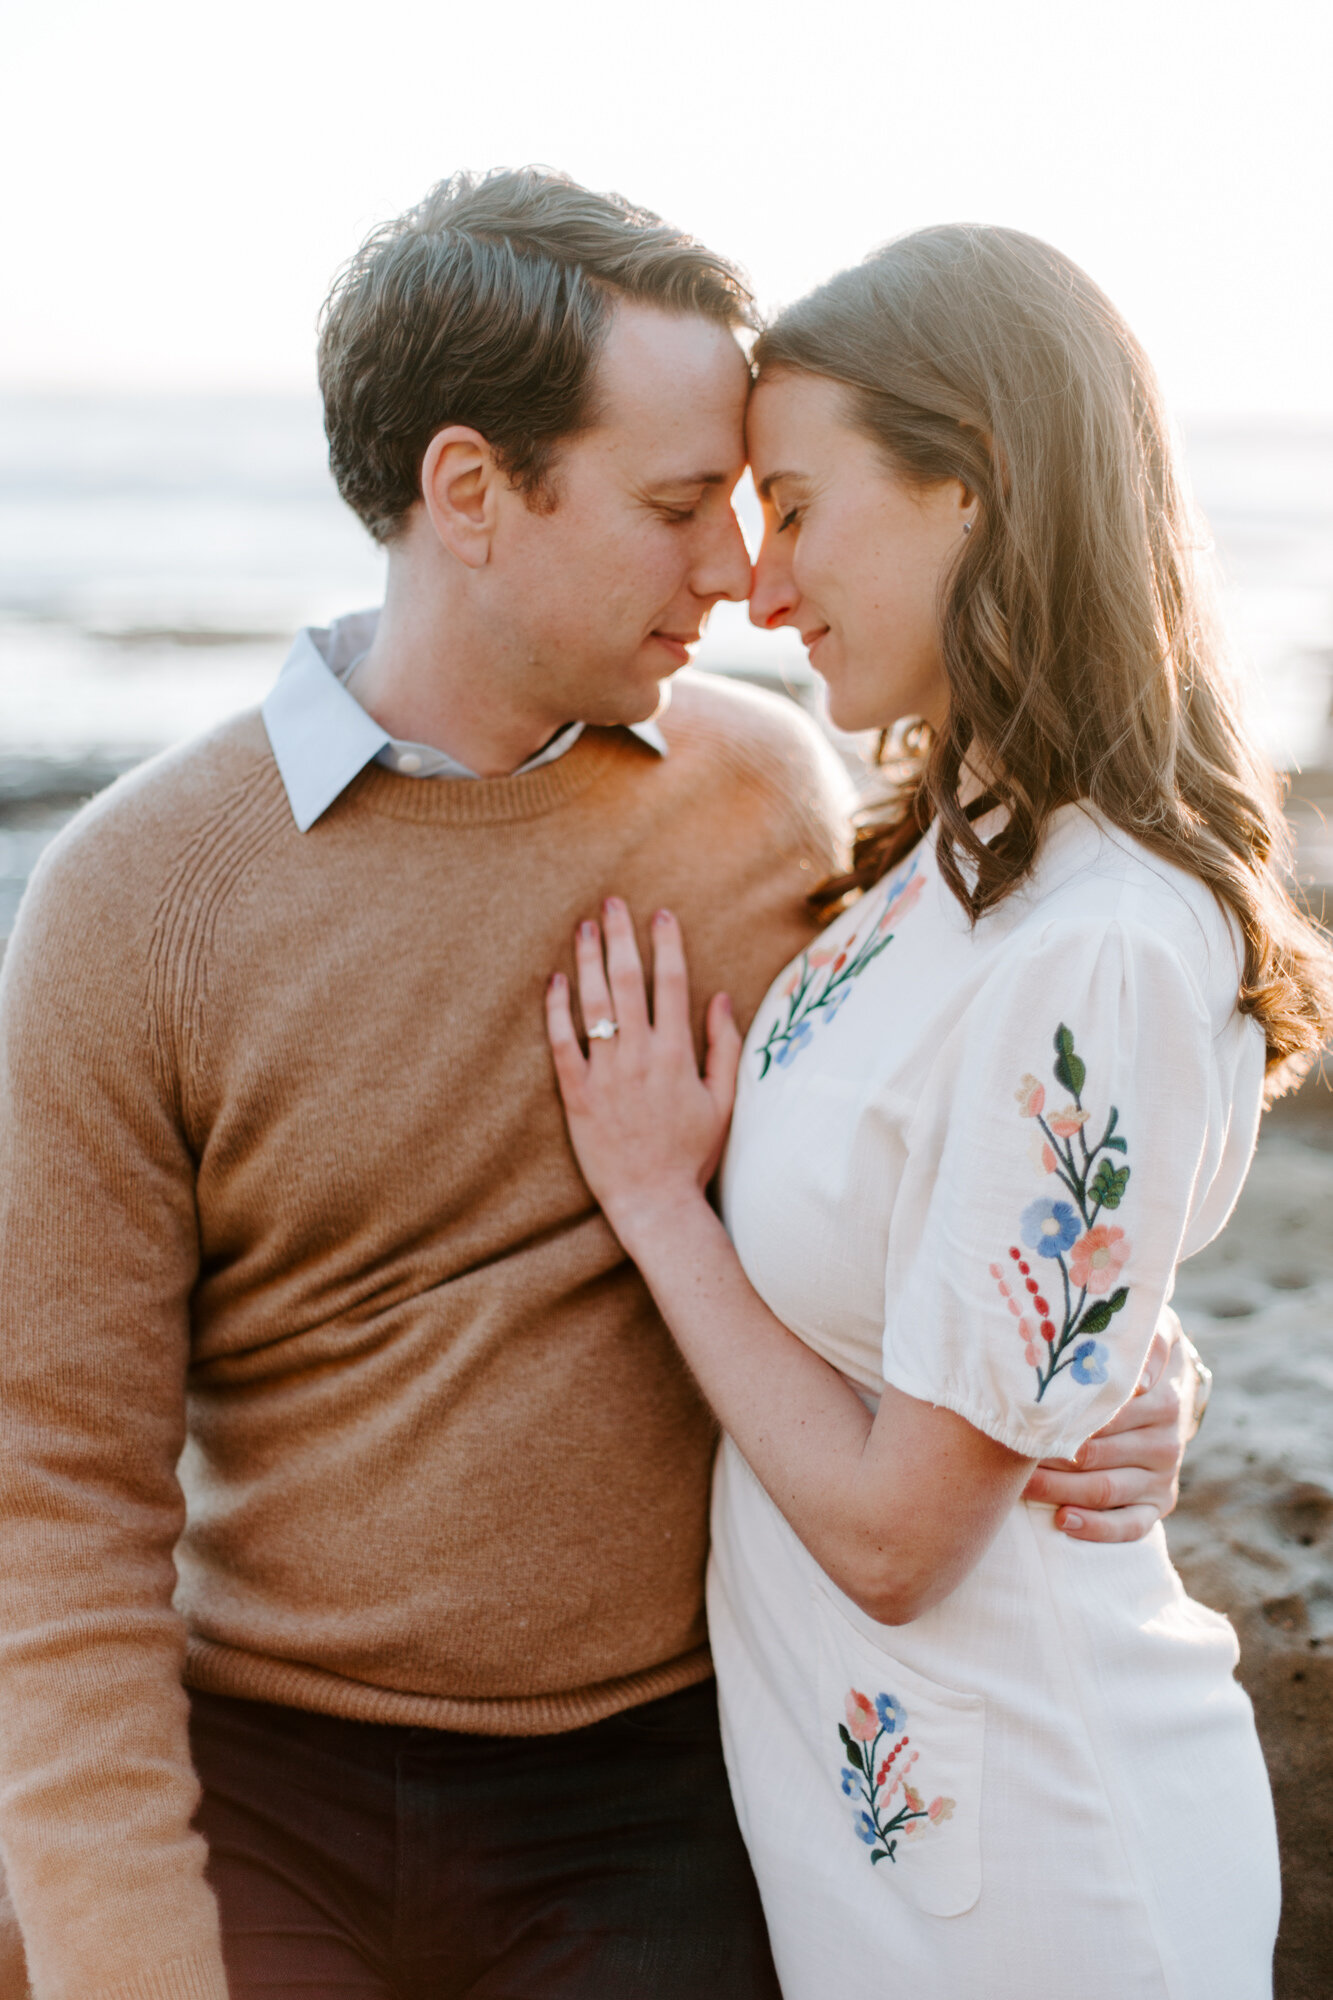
x=791, y=414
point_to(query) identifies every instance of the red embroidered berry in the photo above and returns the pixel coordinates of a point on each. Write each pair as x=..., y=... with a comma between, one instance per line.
x=1025, y=1268
x=1016, y=1255
x=1040, y=1304
x=1048, y=1329
x=1032, y=1286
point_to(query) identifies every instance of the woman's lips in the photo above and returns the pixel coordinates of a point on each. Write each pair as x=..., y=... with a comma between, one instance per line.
x=812, y=641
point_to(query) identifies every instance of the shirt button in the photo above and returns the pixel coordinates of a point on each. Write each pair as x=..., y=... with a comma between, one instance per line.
x=409, y=762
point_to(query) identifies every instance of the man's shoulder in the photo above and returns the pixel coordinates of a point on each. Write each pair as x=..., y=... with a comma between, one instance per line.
x=123, y=846
x=761, y=739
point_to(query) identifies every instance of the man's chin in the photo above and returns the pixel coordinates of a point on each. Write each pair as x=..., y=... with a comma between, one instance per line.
x=629, y=706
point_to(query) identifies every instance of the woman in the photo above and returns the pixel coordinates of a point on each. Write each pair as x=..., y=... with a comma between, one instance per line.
x=976, y=1129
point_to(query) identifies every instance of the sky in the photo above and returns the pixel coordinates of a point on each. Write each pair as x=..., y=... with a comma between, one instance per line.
x=182, y=180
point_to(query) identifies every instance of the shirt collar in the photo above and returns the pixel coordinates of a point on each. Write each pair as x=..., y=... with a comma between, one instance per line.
x=321, y=737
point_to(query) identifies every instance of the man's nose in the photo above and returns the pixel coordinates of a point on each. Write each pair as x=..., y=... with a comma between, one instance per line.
x=724, y=570
x=772, y=593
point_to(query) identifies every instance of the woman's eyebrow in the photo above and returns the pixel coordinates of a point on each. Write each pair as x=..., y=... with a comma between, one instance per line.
x=767, y=484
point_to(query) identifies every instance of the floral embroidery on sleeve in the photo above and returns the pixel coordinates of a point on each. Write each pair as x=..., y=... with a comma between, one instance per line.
x=1083, y=1256
x=822, y=979
x=870, y=1726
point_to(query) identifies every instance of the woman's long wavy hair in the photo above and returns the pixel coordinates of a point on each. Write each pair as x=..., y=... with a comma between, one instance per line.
x=1082, y=657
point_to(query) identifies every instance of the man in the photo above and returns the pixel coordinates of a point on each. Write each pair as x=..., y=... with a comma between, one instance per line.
x=285, y=1196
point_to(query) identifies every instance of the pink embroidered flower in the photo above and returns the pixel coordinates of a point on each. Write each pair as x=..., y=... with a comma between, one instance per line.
x=819, y=959
x=1031, y=1097
x=1097, y=1259
x=792, y=982
x=1065, y=1122
x=912, y=1828
x=1048, y=1156
x=901, y=904
x=940, y=1810
x=862, y=1721
x=913, y=1797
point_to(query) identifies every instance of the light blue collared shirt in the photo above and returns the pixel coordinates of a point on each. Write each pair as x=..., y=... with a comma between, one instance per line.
x=321, y=736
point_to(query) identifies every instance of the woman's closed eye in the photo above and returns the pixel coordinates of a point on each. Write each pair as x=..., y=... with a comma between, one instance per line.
x=788, y=519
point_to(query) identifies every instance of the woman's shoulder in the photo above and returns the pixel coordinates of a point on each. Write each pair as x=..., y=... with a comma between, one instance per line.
x=1093, y=880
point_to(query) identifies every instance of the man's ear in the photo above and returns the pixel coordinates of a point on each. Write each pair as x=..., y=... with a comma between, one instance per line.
x=460, y=486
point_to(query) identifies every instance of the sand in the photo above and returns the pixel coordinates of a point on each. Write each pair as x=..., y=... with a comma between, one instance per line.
x=1253, y=1535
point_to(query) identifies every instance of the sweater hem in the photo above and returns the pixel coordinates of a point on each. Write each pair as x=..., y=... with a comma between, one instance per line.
x=199, y=1976
x=214, y=1669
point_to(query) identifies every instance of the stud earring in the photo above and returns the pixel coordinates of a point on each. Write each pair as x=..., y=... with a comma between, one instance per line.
x=967, y=527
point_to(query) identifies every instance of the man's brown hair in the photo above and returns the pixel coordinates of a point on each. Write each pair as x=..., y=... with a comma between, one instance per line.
x=487, y=305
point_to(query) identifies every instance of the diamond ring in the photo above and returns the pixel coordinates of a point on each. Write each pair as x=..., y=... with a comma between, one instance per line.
x=603, y=1030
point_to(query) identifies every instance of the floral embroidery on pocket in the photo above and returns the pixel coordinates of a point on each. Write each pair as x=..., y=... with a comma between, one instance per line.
x=822, y=978
x=870, y=1726
x=1083, y=1255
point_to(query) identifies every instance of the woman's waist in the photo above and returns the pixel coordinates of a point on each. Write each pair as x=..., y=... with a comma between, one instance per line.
x=1031, y=1584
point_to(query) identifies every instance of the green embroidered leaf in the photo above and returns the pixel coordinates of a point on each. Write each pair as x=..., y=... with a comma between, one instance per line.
x=1120, y=1145
x=1109, y=1184
x=1069, y=1068
x=843, y=1733
x=854, y=1757
x=1097, y=1318
x=882, y=1854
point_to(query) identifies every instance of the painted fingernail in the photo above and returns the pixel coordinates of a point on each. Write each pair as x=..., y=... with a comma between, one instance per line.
x=555, y=984
x=724, y=1002
x=614, y=904
x=1072, y=1523
x=662, y=917
x=588, y=930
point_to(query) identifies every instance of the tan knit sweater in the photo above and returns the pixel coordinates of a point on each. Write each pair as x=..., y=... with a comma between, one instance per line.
x=284, y=1185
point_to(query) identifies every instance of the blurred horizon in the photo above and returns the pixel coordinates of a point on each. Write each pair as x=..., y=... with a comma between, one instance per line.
x=158, y=552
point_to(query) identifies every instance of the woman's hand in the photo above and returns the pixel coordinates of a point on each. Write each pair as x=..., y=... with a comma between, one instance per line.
x=647, y=1129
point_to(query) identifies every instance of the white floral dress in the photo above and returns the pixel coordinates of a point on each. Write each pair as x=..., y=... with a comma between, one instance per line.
x=966, y=1162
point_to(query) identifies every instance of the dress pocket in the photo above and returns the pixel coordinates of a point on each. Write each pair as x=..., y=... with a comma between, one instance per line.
x=906, y=1754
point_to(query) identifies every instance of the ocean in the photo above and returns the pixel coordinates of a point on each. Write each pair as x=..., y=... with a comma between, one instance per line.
x=157, y=553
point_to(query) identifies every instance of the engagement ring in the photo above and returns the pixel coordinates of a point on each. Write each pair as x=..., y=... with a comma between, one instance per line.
x=603, y=1030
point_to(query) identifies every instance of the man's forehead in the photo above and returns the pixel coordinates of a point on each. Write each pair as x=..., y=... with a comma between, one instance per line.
x=676, y=373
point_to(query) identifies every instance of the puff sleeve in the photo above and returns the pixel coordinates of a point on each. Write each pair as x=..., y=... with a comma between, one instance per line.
x=1070, y=1131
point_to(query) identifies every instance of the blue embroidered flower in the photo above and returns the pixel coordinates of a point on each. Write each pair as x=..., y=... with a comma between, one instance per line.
x=837, y=999
x=850, y=1783
x=865, y=1828
x=1089, y=1363
x=794, y=1043
x=892, y=1715
x=1049, y=1227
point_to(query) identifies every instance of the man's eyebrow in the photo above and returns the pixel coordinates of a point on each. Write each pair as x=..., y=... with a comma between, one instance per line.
x=692, y=479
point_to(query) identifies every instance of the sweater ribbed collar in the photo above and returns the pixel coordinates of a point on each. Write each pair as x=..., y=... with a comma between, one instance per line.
x=321, y=737
x=493, y=801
